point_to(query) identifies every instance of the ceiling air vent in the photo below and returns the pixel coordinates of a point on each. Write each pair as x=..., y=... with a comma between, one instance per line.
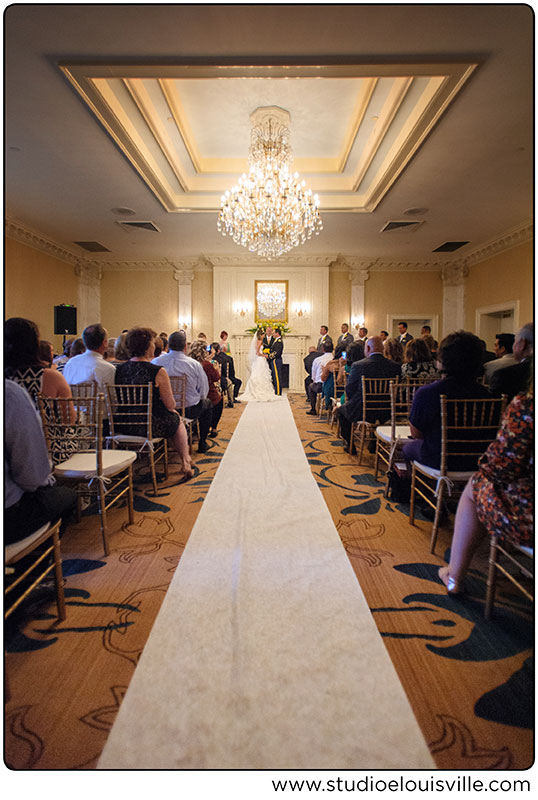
x=402, y=225
x=93, y=247
x=143, y=225
x=449, y=247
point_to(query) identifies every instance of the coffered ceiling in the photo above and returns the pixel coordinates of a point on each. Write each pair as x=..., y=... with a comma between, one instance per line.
x=140, y=114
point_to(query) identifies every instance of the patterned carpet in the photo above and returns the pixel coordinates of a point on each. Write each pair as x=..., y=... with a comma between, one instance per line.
x=470, y=682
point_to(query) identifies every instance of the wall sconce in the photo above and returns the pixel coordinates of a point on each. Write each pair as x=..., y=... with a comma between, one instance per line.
x=357, y=322
x=301, y=309
x=241, y=309
x=182, y=323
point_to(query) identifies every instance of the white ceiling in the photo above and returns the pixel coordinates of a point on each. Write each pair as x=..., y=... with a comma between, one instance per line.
x=64, y=171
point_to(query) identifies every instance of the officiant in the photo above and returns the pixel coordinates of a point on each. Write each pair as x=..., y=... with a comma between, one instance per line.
x=272, y=348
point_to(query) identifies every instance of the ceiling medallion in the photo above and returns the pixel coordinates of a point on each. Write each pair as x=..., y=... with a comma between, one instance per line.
x=269, y=211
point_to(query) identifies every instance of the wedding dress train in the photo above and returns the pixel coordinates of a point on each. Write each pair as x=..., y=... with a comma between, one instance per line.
x=259, y=386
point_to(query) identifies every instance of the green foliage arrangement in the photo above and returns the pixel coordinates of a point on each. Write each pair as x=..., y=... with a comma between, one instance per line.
x=265, y=324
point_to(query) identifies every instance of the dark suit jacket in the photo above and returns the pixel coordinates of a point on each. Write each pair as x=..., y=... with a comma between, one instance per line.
x=511, y=380
x=374, y=366
x=345, y=339
x=406, y=338
x=275, y=346
x=308, y=361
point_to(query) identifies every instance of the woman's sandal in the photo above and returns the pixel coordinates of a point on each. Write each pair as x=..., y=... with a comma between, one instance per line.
x=452, y=585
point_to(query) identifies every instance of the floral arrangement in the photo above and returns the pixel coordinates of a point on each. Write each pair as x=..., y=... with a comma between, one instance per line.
x=266, y=323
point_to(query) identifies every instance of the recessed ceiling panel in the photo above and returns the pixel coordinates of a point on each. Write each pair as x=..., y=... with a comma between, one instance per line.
x=186, y=129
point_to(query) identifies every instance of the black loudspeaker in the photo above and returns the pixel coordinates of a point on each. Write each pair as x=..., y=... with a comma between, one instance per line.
x=65, y=320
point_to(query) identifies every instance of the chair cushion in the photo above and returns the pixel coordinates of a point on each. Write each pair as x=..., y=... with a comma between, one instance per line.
x=83, y=465
x=11, y=550
x=384, y=432
x=436, y=473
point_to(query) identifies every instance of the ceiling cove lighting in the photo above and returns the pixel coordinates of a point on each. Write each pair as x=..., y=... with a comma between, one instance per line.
x=269, y=211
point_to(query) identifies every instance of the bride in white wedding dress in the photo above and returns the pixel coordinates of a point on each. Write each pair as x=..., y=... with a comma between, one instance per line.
x=259, y=387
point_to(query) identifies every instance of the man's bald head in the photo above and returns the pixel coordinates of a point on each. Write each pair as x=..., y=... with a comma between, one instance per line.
x=373, y=345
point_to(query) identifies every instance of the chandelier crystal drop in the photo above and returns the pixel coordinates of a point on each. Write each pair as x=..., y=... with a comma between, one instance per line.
x=269, y=211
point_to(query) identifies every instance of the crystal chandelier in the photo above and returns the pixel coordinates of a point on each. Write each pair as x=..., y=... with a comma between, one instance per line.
x=269, y=211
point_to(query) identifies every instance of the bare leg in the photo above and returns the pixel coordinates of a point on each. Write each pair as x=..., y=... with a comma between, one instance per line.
x=180, y=442
x=468, y=533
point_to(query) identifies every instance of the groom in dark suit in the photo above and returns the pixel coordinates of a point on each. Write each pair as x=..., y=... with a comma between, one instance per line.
x=272, y=347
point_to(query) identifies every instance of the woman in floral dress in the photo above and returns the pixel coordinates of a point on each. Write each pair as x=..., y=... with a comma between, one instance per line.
x=499, y=498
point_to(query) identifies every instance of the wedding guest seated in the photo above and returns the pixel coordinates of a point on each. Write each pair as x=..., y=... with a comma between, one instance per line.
x=375, y=365
x=354, y=353
x=77, y=348
x=499, y=498
x=487, y=355
x=315, y=387
x=431, y=344
x=164, y=339
x=61, y=360
x=206, y=358
x=504, y=357
x=332, y=369
x=418, y=361
x=393, y=350
x=90, y=366
x=512, y=380
x=165, y=420
x=230, y=384
x=110, y=347
x=31, y=497
x=158, y=346
x=46, y=352
x=308, y=361
x=460, y=357
x=177, y=362
x=22, y=361
x=120, y=351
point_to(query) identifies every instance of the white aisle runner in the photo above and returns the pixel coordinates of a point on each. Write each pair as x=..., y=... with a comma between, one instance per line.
x=264, y=653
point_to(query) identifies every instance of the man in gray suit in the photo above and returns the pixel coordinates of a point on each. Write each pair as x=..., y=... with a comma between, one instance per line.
x=345, y=339
x=375, y=365
x=404, y=336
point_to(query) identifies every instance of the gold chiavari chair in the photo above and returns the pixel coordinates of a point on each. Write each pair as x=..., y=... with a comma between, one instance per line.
x=376, y=408
x=106, y=474
x=179, y=390
x=522, y=560
x=38, y=569
x=467, y=428
x=129, y=408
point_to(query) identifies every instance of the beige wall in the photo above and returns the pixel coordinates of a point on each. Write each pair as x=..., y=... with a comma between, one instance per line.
x=34, y=283
x=339, y=302
x=506, y=276
x=138, y=298
x=202, y=306
x=401, y=293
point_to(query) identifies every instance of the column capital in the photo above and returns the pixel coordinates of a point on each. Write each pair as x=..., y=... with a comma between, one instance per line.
x=359, y=276
x=90, y=274
x=454, y=273
x=184, y=276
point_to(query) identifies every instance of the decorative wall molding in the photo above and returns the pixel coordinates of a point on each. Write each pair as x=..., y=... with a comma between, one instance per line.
x=509, y=240
x=36, y=240
x=89, y=273
x=205, y=262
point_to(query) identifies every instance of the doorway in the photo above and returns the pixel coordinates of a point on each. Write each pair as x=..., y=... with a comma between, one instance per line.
x=500, y=318
x=414, y=324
